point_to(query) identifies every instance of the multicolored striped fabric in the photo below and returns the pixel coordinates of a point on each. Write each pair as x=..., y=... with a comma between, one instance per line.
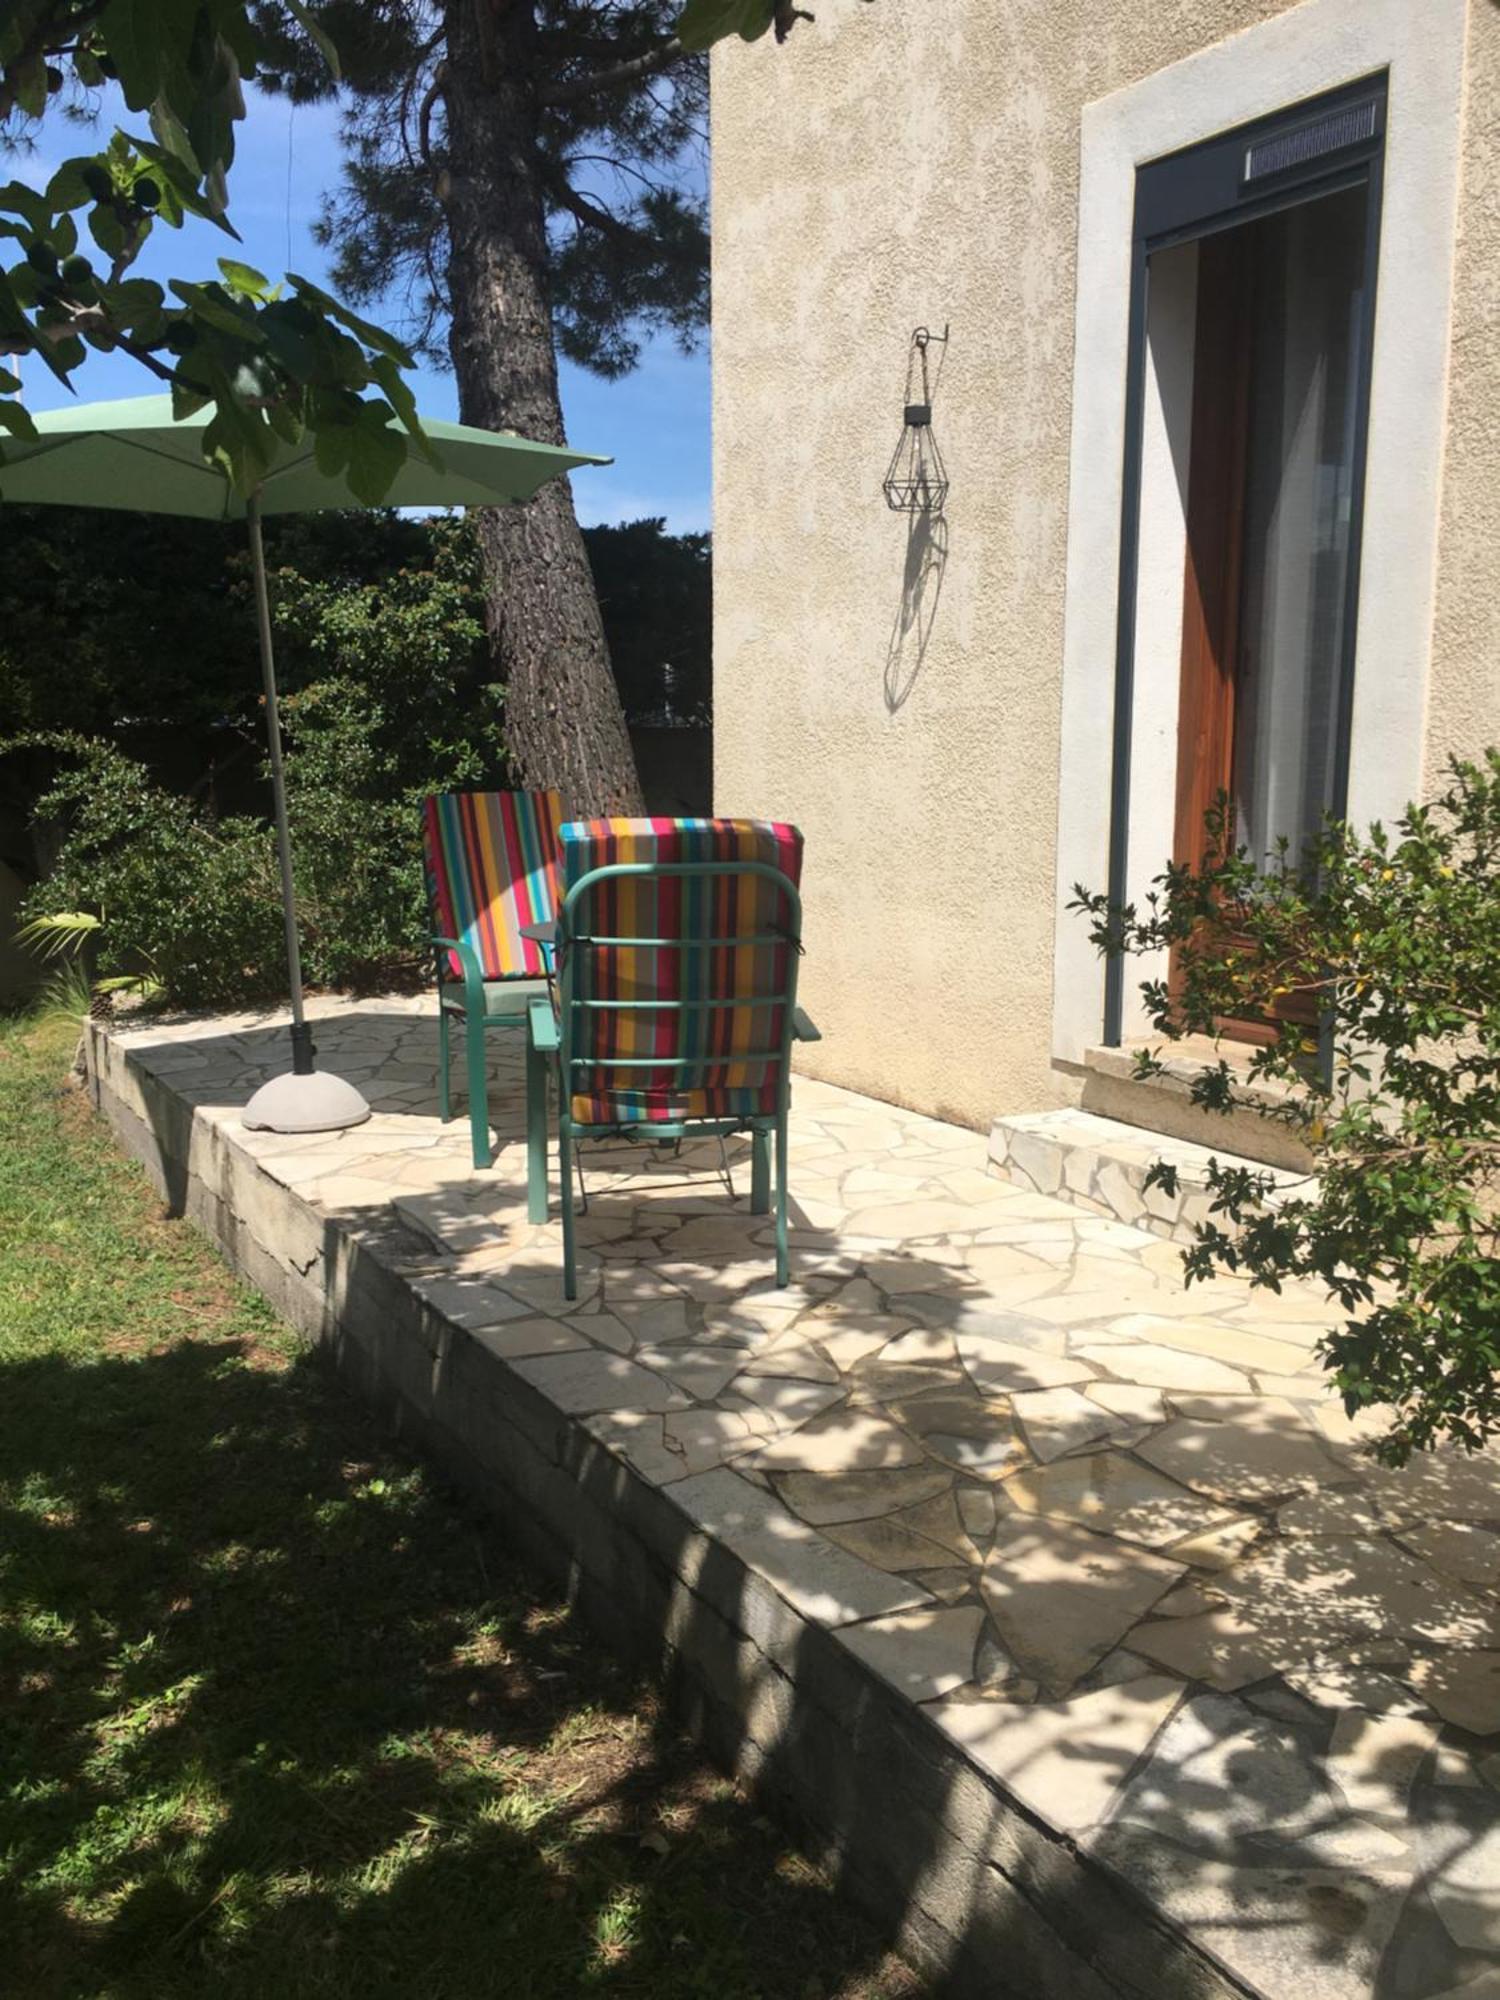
x=492, y=867
x=685, y=908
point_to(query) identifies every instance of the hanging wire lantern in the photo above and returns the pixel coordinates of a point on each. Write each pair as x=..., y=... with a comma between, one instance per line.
x=917, y=482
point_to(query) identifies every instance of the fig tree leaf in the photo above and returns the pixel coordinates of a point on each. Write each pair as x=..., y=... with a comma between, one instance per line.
x=245, y=278
x=704, y=22
x=376, y=455
x=131, y=31
x=14, y=418
x=316, y=34
x=25, y=202
x=372, y=336
x=403, y=402
x=214, y=306
x=67, y=187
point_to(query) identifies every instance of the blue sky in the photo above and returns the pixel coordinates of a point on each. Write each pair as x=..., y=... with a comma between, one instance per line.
x=654, y=422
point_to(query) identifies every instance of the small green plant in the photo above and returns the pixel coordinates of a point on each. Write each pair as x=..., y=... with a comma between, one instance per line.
x=67, y=995
x=67, y=935
x=1393, y=937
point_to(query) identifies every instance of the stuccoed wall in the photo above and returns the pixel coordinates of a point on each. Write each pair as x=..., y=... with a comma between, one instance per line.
x=1463, y=708
x=912, y=161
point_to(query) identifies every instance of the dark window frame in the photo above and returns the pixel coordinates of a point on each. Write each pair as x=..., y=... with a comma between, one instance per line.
x=1182, y=198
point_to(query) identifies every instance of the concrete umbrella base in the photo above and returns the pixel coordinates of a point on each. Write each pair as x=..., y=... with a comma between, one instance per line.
x=315, y=1102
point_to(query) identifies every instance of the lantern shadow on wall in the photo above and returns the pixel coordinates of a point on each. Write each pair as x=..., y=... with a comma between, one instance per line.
x=916, y=485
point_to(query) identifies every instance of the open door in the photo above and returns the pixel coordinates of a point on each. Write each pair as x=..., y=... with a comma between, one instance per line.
x=1271, y=521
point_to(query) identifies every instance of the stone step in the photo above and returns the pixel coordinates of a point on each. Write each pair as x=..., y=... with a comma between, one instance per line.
x=1162, y=1104
x=1101, y=1164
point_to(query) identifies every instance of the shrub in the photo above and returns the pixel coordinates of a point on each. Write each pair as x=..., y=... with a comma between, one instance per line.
x=185, y=899
x=1395, y=936
x=397, y=703
x=392, y=704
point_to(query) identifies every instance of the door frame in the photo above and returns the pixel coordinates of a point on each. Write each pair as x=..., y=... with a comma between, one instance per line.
x=1193, y=196
x=1318, y=46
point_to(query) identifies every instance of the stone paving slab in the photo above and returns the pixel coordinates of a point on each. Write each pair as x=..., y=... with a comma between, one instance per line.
x=1110, y=1545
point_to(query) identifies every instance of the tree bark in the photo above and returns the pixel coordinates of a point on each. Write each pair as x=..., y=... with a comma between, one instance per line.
x=564, y=724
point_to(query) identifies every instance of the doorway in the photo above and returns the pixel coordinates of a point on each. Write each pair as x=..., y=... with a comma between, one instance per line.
x=1252, y=320
x=1272, y=467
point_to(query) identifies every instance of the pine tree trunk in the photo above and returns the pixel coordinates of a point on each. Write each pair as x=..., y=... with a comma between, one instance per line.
x=563, y=719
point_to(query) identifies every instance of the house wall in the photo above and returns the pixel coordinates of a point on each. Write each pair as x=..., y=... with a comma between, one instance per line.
x=898, y=164
x=1463, y=709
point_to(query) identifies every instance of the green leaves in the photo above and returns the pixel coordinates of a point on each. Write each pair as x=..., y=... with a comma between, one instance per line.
x=357, y=443
x=16, y=420
x=362, y=329
x=247, y=281
x=704, y=22
x=1394, y=938
x=13, y=417
x=387, y=694
x=305, y=19
x=273, y=367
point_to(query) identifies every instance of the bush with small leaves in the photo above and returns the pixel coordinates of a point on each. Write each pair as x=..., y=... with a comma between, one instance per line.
x=391, y=699
x=1390, y=941
x=183, y=899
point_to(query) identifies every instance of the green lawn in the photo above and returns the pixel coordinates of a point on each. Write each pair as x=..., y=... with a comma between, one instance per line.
x=278, y=1716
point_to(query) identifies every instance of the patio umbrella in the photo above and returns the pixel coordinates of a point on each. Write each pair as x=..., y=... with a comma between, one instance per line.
x=136, y=456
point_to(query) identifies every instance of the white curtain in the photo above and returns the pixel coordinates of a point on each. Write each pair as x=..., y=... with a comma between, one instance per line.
x=1308, y=307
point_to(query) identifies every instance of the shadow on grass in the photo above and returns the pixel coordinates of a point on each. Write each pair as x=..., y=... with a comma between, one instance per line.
x=278, y=1713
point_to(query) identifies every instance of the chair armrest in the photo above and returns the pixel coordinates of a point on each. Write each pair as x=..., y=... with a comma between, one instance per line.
x=541, y=1025
x=802, y=1027
x=472, y=971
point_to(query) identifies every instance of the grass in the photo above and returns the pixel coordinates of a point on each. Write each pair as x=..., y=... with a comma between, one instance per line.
x=277, y=1713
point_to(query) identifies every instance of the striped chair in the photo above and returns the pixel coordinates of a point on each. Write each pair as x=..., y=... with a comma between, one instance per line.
x=492, y=886
x=677, y=945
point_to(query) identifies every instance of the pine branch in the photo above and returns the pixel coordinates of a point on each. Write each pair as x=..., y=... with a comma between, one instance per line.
x=425, y=110
x=578, y=87
x=587, y=212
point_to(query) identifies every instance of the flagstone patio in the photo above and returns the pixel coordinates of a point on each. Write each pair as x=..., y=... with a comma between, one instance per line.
x=1109, y=1538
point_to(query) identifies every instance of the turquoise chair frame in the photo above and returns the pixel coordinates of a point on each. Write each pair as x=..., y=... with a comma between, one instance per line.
x=558, y=1044
x=469, y=1000
x=479, y=1003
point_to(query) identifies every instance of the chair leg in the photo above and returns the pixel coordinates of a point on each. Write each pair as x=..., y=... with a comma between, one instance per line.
x=760, y=1172
x=445, y=1100
x=565, y=1169
x=783, y=1259
x=479, y=1096
x=536, y=1135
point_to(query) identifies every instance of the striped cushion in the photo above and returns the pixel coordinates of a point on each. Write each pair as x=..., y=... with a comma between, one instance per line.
x=664, y=906
x=492, y=867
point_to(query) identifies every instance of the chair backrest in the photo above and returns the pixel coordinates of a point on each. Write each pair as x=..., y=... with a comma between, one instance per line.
x=492, y=860
x=678, y=944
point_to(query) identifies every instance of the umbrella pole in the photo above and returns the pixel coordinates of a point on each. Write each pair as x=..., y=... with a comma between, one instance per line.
x=308, y=1099
x=302, y=1042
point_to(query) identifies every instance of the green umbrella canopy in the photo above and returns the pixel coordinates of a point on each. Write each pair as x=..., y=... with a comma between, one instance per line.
x=134, y=454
